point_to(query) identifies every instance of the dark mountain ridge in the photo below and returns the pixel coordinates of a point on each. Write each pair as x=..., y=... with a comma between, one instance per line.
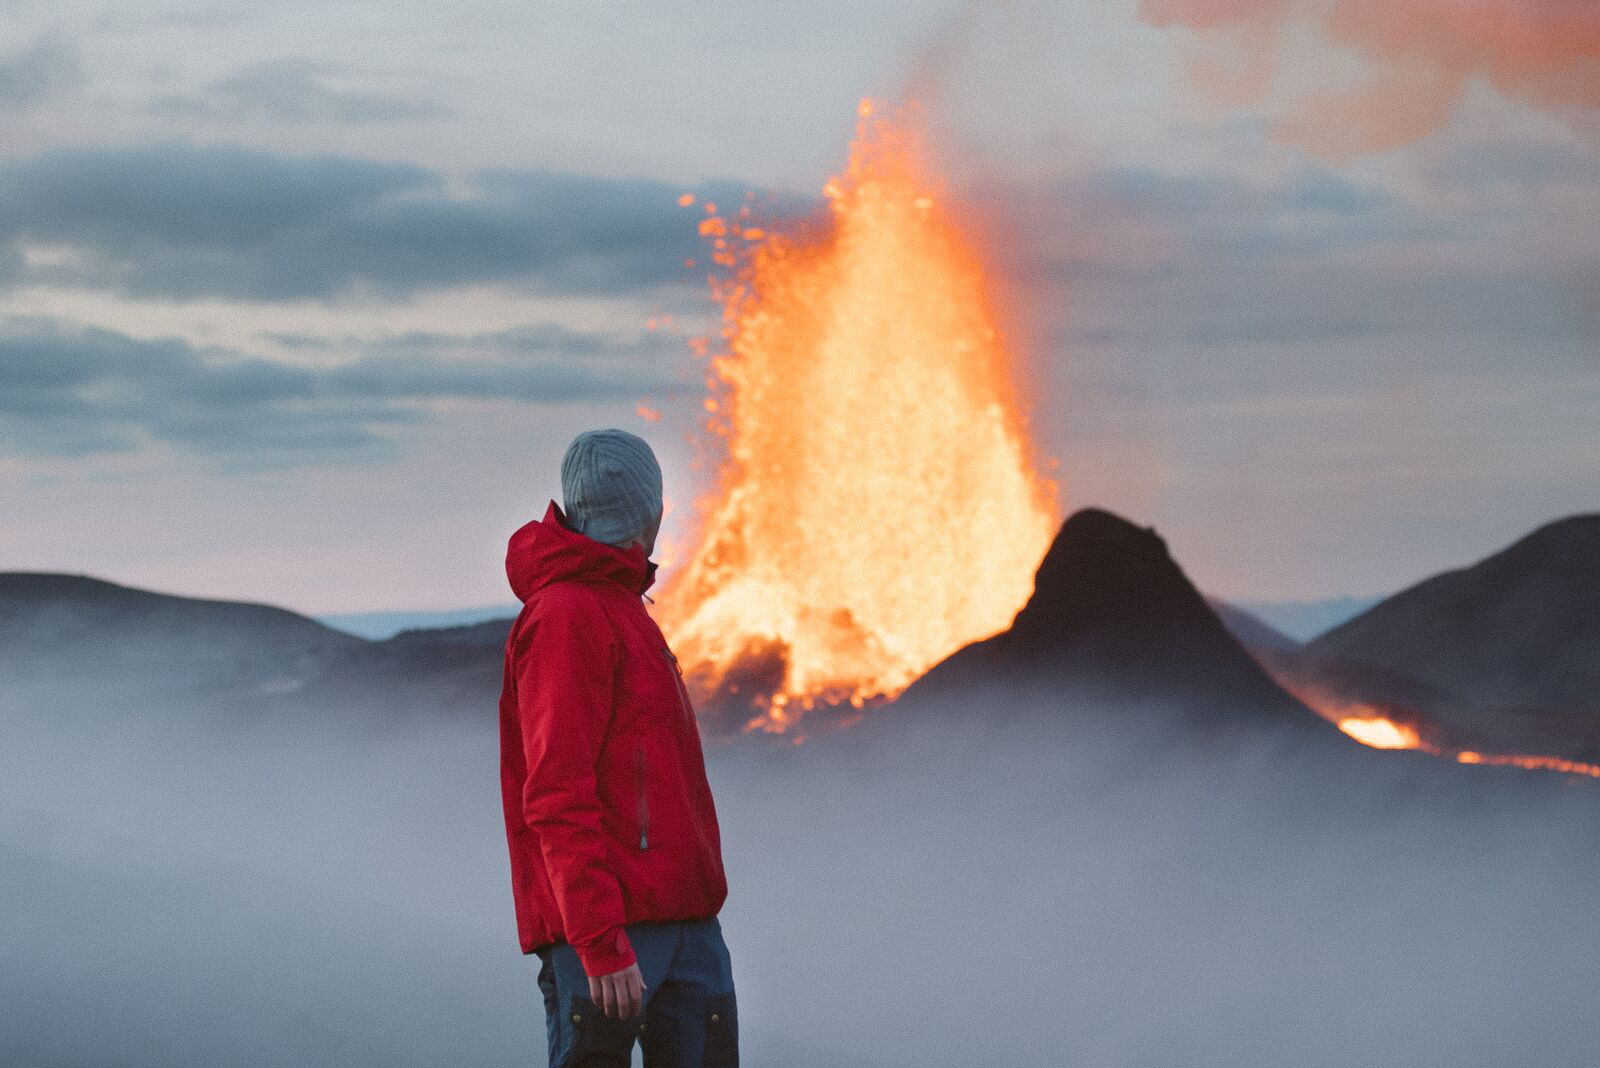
x=1113, y=620
x=1501, y=656
x=1519, y=628
x=72, y=638
x=55, y=625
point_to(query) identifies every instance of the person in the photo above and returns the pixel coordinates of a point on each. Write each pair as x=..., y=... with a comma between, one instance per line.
x=616, y=857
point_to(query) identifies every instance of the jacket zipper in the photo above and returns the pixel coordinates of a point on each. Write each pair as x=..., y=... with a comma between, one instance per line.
x=644, y=802
x=683, y=690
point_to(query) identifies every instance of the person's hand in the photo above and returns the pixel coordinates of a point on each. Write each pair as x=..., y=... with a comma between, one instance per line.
x=620, y=995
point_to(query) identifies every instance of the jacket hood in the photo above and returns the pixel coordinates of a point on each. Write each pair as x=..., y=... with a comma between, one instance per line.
x=546, y=550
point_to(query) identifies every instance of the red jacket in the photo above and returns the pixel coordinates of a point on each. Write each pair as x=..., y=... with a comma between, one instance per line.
x=608, y=813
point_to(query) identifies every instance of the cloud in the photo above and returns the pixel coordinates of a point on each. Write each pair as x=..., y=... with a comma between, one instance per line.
x=1134, y=220
x=47, y=67
x=75, y=392
x=1519, y=167
x=1157, y=260
x=187, y=221
x=296, y=90
x=1310, y=193
x=1420, y=56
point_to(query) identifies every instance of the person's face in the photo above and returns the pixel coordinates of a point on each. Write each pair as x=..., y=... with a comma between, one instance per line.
x=648, y=538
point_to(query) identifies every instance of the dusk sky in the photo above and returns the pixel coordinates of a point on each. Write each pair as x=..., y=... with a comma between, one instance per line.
x=301, y=302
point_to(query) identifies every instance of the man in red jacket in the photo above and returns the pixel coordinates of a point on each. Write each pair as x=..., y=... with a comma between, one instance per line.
x=616, y=861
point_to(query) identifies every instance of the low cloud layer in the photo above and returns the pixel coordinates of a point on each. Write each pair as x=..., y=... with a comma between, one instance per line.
x=71, y=392
x=298, y=91
x=185, y=221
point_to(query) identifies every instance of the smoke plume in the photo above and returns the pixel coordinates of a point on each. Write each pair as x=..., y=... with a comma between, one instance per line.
x=1413, y=61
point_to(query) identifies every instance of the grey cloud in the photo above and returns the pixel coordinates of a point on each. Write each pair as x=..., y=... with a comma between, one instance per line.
x=535, y=339
x=1281, y=325
x=72, y=392
x=1186, y=261
x=1519, y=166
x=187, y=221
x=299, y=91
x=49, y=66
x=1314, y=211
x=1148, y=191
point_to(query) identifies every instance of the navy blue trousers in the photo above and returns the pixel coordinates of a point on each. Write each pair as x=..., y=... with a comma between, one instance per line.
x=690, y=1019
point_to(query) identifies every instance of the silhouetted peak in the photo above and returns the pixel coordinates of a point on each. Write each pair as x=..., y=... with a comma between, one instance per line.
x=1103, y=569
x=1114, y=622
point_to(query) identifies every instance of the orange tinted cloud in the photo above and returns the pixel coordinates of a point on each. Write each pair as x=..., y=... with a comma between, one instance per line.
x=1421, y=55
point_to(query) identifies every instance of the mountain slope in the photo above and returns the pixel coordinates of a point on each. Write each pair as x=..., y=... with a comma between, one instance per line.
x=1520, y=629
x=1113, y=620
x=73, y=626
x=1252, y=631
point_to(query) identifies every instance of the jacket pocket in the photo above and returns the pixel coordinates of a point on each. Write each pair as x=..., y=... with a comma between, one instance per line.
x=640, y=787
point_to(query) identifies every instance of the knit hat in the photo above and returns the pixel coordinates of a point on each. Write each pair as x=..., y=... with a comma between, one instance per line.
x=610, y=485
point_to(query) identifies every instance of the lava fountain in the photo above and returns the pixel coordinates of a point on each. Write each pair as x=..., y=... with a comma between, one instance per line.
x=878, y=505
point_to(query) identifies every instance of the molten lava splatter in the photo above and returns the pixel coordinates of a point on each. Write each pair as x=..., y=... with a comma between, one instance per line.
x=878, y=506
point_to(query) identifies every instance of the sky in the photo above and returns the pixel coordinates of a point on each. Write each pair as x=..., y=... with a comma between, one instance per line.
x=301, y=302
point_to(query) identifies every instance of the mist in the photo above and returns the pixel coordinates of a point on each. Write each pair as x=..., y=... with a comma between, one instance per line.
x=1041, y=885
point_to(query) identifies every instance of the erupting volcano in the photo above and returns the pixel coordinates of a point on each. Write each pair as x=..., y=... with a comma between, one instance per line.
x=878, y=505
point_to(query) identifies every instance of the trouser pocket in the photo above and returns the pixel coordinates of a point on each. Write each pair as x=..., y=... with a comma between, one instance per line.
x=722, y=1032
x=597, y=1040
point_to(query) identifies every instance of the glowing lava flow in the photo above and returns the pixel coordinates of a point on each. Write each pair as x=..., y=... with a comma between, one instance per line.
x=878, y=506
x=1532, y=763
x=1371, y=727
x=1380, y=732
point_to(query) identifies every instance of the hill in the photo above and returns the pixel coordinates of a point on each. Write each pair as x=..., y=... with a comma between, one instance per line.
x=1114, y=621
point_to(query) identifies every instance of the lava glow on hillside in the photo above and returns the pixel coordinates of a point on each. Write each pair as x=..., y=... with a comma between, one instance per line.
x=878, y=506
x=1374, y=726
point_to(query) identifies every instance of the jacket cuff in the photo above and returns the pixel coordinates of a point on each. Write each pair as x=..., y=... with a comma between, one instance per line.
x=611, y=952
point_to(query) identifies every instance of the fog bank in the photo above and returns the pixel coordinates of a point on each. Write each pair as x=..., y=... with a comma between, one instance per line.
x=185, y=889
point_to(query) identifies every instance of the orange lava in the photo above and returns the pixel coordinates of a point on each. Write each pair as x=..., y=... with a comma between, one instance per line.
x=1532, y=763
x=878, y=506
x=1370, y=726
x=1380, y=732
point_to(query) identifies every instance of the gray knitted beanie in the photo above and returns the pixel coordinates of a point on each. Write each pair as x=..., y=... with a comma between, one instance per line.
x=610, y=485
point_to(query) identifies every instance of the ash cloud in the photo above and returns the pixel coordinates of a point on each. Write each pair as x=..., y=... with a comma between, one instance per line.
x=1421, y=58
